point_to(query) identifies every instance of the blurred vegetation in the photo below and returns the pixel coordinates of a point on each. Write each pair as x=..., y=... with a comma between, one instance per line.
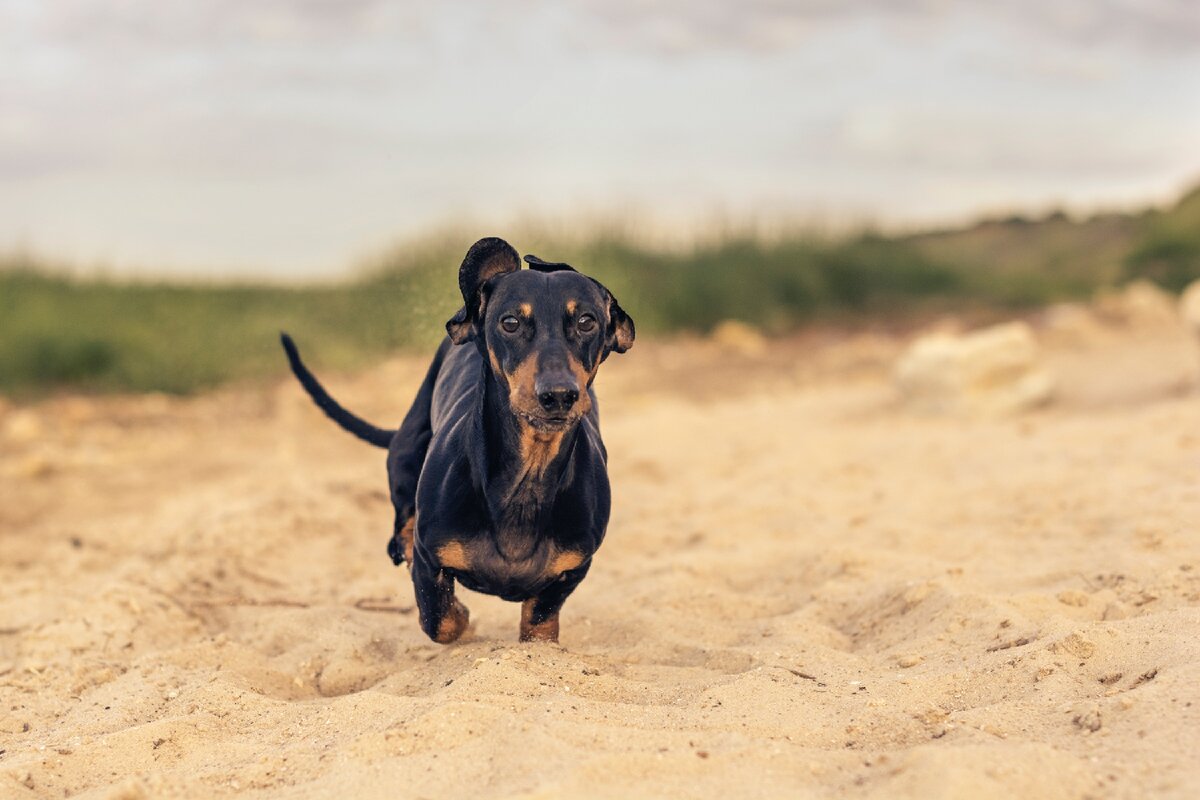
x=103, y=334
x=109, y=335
x=1167, y=248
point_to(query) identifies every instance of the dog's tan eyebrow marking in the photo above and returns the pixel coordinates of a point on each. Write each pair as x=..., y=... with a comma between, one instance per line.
x=526, y=309
x=571, y=306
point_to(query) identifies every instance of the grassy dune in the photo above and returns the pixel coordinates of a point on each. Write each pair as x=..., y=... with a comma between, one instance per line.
x=106, y=335
x=101, y=334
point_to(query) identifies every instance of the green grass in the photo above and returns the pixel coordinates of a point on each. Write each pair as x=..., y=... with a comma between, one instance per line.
x=106, y=335
x=102, y=335
x=1167, y=249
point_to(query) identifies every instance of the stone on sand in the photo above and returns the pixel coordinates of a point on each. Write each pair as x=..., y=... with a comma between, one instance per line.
x=994, y=371
x=1140, y=304
x=23, y=426
x=36, y=465
x=739, y=337
x=1071, y=323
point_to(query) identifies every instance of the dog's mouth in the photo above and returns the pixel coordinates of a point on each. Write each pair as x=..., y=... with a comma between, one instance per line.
x=549, y=422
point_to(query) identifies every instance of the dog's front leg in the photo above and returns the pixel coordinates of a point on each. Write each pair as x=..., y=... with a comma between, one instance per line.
x=443, y=616
x=539, y=614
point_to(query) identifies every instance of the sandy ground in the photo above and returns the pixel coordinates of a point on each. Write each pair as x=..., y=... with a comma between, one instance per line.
x=805, y=591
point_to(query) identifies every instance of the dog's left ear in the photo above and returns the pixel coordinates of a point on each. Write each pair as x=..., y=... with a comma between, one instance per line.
x=620, y=325
x=487, y=259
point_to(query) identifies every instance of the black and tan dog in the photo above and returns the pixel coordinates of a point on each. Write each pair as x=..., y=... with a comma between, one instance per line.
x=498, y=474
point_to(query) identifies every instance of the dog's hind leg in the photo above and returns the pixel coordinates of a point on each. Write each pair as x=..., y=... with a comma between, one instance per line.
x=400, y=546
x=406, y=457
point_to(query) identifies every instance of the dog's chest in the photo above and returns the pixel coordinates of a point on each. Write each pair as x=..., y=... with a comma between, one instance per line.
x=479, y=566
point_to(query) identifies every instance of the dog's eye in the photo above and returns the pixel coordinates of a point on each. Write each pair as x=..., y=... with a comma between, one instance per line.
x=586, y=323
x=510, y=324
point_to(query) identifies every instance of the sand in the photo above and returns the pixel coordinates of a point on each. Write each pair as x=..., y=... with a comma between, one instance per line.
x=806, y=591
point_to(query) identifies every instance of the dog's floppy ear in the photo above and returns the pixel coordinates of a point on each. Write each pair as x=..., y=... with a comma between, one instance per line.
x=620, y=325
x=487, y=259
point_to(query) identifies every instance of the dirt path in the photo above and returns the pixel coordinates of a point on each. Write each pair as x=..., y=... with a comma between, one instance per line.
x=805, y=592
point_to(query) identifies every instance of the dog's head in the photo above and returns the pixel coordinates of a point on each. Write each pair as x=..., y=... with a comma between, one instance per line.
x=544, y=331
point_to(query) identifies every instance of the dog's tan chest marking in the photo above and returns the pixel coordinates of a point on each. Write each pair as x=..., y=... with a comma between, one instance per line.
x=548, y=562
x=538, y=450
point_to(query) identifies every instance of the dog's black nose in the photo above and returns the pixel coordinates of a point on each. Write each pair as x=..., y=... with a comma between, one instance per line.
x=558, y=398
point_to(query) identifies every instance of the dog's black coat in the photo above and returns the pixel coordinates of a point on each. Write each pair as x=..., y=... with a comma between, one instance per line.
x=498, y=472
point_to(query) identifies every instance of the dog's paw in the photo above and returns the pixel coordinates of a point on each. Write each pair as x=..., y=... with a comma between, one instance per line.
x=453, y=624
x=395, y=550
x=544, y=631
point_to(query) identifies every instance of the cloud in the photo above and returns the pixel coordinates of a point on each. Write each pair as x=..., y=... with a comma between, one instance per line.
x=981, y=141
x=165, y=24
x=668, y=26
x=353, y=114
x=1147, y=24
x=764, y=25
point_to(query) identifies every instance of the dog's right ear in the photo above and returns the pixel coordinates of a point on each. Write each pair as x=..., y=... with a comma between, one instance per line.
x=487, y=259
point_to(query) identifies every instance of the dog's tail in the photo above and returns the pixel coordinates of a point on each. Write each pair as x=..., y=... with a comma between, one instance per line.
x=359, y=427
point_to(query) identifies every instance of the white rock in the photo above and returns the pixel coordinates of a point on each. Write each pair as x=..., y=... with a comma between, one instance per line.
x=23, y=426
x=993, y=371
x=1071, y=323
x=739, y=337
x=1140, y=304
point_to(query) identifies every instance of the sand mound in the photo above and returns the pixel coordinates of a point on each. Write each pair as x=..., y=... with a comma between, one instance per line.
x=992, y=371
x=805, y=592
x=1189, y=307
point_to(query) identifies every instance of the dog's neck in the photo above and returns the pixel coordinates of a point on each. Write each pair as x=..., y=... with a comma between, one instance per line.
x=522, y=470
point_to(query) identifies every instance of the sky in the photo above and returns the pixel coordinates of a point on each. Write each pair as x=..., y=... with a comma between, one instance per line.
x=295, y=138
